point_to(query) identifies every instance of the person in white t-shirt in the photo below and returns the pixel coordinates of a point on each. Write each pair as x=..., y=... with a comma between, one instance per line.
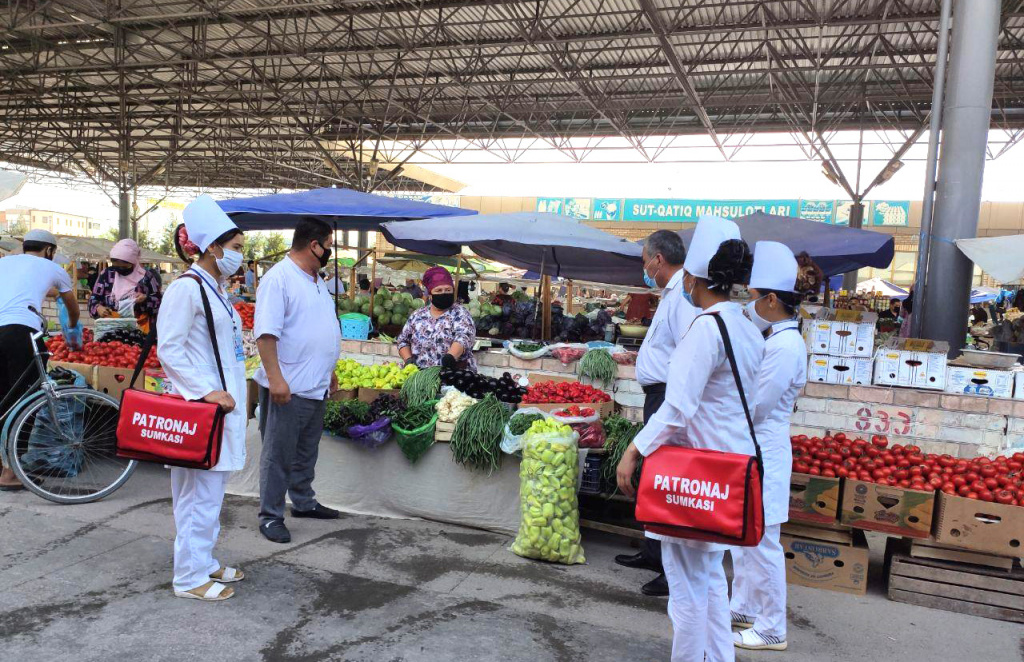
x=27, y=279
x=299, y=340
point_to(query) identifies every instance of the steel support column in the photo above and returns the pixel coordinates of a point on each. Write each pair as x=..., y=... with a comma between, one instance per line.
x=967, y=112
x=124, y=212
x=856, y=221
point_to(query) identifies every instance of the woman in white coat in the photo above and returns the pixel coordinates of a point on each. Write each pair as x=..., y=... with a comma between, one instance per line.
x=759, y=573
x=702, y=409
x=187, y=355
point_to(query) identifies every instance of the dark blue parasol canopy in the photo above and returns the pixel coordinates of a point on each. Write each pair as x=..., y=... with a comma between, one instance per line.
x=344, y=208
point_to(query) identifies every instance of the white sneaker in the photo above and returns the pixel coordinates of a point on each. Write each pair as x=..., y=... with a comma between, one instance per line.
x=741, y=621
x=755, y=641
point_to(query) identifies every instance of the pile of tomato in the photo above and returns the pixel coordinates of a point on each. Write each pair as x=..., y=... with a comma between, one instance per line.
x=564, y=392
x=575, y=411
x=247, y=312
x=110, y=354
x=999, y=480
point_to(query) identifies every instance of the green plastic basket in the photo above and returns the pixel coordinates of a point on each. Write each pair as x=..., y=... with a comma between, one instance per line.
x=414, y=443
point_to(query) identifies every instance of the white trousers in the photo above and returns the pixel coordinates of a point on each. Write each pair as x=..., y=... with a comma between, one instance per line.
x=698, y=604
x=759, y=583
x=197, y=497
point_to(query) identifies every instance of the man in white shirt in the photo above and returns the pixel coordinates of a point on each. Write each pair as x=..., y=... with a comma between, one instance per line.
x=26, y=279
x=336, y=286
x=299, y=341
x=663, y=256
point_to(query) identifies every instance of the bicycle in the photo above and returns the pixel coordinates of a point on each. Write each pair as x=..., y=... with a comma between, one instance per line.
x=60, y=440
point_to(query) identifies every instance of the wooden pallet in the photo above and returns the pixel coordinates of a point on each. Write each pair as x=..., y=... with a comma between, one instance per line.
x=926, y=549
x=961, y=588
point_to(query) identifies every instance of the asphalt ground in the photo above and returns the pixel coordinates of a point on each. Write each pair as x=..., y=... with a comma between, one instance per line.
x=92, y=582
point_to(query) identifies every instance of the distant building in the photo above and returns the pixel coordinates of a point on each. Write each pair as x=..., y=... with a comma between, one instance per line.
x=58, y=223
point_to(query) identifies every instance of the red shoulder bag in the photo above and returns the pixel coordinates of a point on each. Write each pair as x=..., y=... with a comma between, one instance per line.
x=165, y=428
x=706, y=495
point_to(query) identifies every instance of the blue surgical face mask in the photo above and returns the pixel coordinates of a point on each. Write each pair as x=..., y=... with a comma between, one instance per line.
x=688, y=296
x=649, y=280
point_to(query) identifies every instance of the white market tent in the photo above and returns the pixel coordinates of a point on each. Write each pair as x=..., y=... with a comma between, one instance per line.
x=1000, y=257
x=883, y=286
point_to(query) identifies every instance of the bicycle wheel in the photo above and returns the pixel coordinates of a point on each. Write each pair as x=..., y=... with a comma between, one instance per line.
x=67, y=454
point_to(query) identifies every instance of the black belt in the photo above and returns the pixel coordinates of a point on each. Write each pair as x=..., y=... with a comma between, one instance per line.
x=653, y=389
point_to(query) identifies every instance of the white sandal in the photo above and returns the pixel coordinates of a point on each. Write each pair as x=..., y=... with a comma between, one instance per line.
x=215, y=593
x=229, y=575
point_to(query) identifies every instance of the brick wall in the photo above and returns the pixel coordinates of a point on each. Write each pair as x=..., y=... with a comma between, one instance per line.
x=961, y=425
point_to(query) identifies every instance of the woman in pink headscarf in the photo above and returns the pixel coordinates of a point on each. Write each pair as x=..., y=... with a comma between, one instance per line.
x=125, y=283
x=441, y=333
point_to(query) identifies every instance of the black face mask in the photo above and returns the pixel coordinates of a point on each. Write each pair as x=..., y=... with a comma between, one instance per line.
x=124, y=271
x=443, y=301
x=326, y=257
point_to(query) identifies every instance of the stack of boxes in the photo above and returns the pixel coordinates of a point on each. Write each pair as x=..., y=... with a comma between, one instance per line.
x=841, y=344
x=913, y=363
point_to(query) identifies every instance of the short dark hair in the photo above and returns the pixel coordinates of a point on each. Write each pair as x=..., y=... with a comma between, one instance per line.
x=31, y=246
x=790, y=300
x=364, y=283
x=892, y=301
x=668, y=244
x=309, y=230
x=226, y=237
x=252, y=263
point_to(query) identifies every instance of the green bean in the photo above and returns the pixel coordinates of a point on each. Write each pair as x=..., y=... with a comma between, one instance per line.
x=476, y=440
x=598, y=365
x=422, y=386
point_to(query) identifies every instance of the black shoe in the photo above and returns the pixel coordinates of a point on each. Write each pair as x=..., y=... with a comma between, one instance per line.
x=275, y=531
x=638, y=560
x=656, y=588
x=320, y=512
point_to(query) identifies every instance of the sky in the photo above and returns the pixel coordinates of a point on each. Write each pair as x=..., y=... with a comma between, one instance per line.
x=755, y=174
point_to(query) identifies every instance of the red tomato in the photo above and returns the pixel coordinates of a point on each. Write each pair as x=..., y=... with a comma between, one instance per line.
x=1005, y=497
x=986, y=495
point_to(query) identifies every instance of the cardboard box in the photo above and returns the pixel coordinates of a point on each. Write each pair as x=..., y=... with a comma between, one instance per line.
x=845, y=333
x=370, y=394
x=895, y=510
x=344, y=396
x=605, y=409
x=813, y=498
x=980, y=526
x=114, y=381
x=538, y=378
x=826, y=564
x=838, y=370
x=913, y=363
x=979, y=381
x=1018, y=388
x=443, y=431
x=84, y=369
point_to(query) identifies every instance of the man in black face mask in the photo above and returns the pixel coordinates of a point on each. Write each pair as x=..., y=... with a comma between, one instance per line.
x=299, y=341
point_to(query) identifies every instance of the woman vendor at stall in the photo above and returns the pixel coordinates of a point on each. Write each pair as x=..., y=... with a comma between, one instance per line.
x=125, y=285
x=441, y=333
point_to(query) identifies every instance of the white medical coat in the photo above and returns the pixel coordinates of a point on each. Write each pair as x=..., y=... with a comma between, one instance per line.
x=702, y=408
x=186, y=354
x=783, y=374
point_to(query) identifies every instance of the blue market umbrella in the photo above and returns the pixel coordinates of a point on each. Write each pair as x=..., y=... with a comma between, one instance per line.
x=834, y=248
x=546, y=243
x=343, y=208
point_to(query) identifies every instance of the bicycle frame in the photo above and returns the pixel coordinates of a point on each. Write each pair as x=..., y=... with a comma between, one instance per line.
x=42, y=384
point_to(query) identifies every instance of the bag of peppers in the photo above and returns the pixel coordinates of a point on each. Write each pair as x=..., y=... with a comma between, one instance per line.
x=586, y=422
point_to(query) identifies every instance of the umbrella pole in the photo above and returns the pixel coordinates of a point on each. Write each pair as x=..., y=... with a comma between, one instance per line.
x=458, y=270
x=568, y=298
x=336, y=281
x=373, y=281
x=828, y=294
x=545, y=293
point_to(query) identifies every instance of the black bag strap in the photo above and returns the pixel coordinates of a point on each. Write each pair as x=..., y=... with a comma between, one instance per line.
x=739, y=384
x=147, y=346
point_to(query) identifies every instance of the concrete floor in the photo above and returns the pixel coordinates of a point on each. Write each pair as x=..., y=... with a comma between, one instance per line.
x=93, y=583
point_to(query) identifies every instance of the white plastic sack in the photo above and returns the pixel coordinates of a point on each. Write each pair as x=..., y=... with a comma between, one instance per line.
x=512, y=443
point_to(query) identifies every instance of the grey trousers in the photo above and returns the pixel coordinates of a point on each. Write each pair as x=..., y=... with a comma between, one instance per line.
x=291, y=441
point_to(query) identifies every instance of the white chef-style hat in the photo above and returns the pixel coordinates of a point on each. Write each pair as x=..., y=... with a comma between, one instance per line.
x=775, y=267
x=711, y=232
x=205, y=221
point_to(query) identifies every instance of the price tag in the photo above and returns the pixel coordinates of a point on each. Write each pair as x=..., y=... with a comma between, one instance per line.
x=848, y=316
x=918, y=345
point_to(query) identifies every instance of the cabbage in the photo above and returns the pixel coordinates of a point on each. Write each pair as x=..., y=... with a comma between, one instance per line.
x=365, y=309
x=417, y=304
x=389, y=304
x=378, y=311
x=384, y=319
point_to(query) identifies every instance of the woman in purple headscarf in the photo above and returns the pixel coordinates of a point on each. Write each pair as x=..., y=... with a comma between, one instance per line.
x=441, y=333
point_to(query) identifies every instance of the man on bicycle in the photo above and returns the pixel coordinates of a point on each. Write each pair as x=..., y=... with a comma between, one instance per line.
x=25, y=280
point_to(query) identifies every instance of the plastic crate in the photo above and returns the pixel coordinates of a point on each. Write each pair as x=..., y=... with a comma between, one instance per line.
x=590, y=482
x=355, y=326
